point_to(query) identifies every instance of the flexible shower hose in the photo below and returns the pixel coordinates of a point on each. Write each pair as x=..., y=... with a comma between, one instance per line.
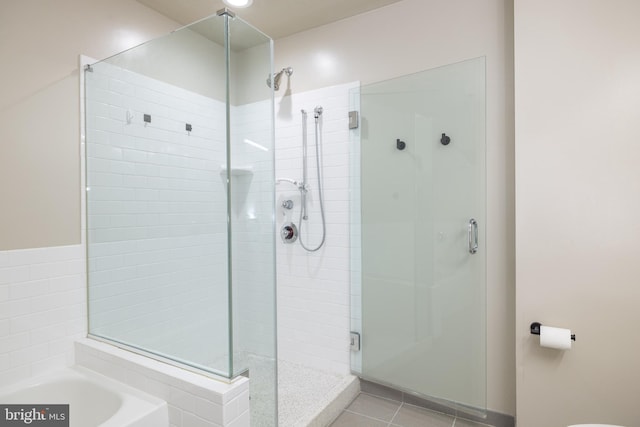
x=303, y=190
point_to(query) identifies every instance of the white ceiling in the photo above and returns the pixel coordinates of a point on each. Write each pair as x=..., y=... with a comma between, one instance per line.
x=275, y=18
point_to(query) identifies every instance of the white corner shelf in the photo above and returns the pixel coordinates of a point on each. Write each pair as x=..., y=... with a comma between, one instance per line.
x=237, y=170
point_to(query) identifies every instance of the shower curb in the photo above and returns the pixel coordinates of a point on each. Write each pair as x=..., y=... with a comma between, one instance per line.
x=335, y=402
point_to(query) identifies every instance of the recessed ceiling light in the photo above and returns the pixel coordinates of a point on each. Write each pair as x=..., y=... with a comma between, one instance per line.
x=238, y=3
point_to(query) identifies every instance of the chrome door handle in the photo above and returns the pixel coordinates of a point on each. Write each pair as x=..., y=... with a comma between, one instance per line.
x=473, y=236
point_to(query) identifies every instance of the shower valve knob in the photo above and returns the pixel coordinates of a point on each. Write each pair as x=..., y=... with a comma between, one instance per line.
x=289, y=233
x=287, y=204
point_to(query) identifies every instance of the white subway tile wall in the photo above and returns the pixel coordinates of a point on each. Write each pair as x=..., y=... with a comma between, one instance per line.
x=42, y=310
x=314, y=287
x=157, y=223
x=161, y=177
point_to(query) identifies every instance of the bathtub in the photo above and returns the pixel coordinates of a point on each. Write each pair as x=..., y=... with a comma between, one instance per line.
x=94, y=400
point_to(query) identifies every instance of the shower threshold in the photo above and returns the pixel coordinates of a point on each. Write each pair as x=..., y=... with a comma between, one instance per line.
x=307, y=397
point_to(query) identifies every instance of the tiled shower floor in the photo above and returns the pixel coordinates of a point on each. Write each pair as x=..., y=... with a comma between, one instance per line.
x=306, y=396
x=303, y=394
x=372, y=411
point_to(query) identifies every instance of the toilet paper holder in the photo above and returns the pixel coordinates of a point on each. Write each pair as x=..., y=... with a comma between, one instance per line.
x=535, y=330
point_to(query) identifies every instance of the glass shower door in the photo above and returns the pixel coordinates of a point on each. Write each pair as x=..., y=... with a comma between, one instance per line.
x=419, y=295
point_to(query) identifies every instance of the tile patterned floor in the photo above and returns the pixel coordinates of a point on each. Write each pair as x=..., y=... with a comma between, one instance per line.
x=372, y=411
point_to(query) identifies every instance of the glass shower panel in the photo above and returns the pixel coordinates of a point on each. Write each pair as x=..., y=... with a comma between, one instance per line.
x=419, y=295
x=156, y=202
x=252, y=210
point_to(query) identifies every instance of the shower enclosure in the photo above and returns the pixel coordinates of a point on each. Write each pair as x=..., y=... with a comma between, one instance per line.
x=418, y=235
x=180, y=203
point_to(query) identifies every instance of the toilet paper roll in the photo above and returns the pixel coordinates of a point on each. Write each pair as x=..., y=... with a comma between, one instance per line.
x=558, y=338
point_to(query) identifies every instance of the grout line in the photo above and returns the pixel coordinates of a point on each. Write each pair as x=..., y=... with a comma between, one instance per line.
x=363, y=415
x=394, y=415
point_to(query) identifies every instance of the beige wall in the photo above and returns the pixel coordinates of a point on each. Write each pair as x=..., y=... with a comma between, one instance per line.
x=411, y=36
x=40, y=41
x=184, y=58
x=577, y=92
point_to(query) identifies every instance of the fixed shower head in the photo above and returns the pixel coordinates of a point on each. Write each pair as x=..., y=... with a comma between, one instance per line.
x=277, y=76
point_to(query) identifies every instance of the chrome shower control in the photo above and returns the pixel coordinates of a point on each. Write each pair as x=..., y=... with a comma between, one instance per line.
x=287, y=204
x=289, y=232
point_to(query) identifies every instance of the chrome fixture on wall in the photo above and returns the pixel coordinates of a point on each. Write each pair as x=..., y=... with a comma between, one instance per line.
x=278, y=76
x=287, y=204
x=289, y=233
x=303, y=186
x=317, y=112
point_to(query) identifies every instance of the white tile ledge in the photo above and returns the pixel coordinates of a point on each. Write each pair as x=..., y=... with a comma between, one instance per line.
x=193, y=399
x=192, y=382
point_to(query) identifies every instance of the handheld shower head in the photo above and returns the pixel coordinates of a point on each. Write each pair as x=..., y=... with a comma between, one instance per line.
x=278, y=76
x=317, y=112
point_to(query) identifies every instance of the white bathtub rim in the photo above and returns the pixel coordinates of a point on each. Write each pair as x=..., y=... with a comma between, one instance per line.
x=135, y=404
